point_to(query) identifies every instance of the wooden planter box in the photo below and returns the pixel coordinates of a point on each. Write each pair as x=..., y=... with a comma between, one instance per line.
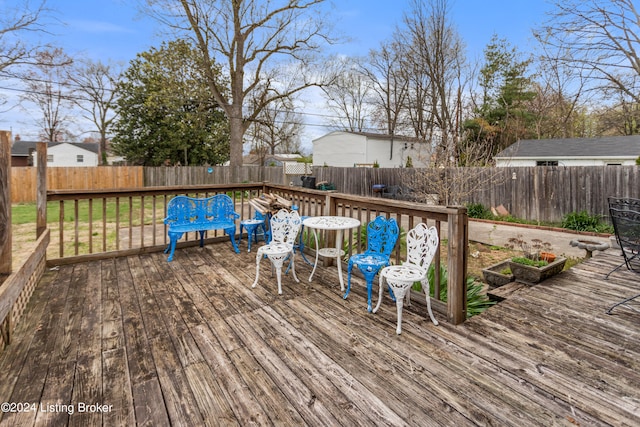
x=530, y=275
x=494, y=278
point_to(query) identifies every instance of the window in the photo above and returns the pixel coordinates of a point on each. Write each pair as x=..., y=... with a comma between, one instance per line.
x=547, y=163
x=80, y=158
x=49, y=158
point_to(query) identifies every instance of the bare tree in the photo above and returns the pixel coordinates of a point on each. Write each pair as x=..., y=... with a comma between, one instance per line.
x=601, y=38
x=265, y=49
x=347, y=96
x=14, y=22
x=389, y=85
x=95, y=84
x=276, y=130
x=47, y=86
x=436, y=62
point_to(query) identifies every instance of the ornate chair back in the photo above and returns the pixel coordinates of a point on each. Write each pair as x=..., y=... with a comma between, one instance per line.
x=285, y=226
x=422, y=243
x=382, y=235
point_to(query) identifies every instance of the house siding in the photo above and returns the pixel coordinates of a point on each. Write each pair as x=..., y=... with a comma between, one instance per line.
x=66, y=155
x=345, y=149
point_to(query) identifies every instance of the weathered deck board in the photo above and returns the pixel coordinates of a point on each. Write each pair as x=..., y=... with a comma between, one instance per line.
x=191, y=343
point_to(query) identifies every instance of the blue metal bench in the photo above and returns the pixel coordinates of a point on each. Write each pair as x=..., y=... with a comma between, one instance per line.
x=185, y=214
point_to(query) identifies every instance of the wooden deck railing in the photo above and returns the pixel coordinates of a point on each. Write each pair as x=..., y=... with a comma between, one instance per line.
x=98, y=224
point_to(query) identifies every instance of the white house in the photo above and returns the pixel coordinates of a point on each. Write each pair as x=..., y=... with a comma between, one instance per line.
x=353, y=149
x=610, y=150
x=71, y=154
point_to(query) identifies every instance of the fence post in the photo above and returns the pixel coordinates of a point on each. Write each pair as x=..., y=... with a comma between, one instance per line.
x=41, y=188
x=457, y=253
x=5, y=202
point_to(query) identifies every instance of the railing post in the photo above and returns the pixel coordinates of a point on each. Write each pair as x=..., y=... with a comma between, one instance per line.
x=457, y=265
x=41, y=188
x=5, y=202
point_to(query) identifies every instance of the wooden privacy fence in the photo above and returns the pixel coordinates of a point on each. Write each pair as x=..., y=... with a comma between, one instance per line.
x=205, y=175
x=533, y=193
x=23, y=179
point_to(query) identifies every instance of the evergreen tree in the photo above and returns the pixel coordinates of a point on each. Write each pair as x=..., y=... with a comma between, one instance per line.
x=503, y=116
x=166, y=113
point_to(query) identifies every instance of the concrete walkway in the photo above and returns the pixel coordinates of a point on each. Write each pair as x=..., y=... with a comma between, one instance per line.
x=492, y=233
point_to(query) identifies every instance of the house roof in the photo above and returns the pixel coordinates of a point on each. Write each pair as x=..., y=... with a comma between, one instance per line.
x=372, y=135
x=254, y=159
x=604, y=147
x=94, y=147
x=24, y=148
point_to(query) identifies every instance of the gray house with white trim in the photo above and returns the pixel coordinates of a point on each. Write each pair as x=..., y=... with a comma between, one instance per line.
x=609, y=150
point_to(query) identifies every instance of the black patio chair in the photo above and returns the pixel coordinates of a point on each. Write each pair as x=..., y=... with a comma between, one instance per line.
x=622, y=204
x=626, y=224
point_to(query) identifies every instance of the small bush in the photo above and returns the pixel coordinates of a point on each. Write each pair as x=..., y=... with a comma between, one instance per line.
x=583, y=221
x=478, y=210
x=477, y=300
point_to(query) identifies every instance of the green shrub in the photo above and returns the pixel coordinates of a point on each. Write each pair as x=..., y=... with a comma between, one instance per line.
x=583, y=221
x=478, y=210
x=477, y=301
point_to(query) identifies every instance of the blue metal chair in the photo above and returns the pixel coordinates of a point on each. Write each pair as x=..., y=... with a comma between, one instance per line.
x=382, y=235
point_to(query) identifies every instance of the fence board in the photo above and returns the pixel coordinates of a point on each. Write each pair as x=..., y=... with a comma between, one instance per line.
x=23, y=180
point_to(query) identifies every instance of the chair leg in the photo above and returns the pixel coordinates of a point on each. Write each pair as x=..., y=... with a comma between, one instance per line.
x=293, y=266
x=258, y=256
x=380, y=292
x=277, y=261
x=624, y=301
x=615, y=269
x=399, y=290
x=279, y=277
x=349, y=268
x=173, y=240
x=399, y=303
x=369, y=275
x=231, y=231
x=427, y=292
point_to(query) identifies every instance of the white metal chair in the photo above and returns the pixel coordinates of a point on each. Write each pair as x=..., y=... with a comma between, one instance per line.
x=284, y=228
x=422, y=243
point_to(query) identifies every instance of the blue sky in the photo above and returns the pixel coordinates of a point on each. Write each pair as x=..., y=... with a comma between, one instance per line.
x=114, y=30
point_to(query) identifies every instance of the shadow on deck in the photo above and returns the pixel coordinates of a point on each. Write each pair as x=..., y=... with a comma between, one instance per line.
x=138, y=340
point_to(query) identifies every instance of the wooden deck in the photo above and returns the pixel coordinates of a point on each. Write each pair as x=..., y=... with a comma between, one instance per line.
x=189, y=343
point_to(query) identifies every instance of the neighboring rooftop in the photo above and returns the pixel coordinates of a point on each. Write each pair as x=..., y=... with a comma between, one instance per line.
x=609, y=146
x=24, y=148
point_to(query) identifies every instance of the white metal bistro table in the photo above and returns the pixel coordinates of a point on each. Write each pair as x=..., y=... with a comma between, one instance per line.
x=337, y=223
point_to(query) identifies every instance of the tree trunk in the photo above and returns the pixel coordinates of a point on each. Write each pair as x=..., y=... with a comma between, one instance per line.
x=235, y=139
